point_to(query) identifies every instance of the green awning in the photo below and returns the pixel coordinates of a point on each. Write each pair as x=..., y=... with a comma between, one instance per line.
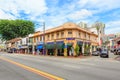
x=50, y=46
x=79, y=42
x=60, y=46
x=69, y=44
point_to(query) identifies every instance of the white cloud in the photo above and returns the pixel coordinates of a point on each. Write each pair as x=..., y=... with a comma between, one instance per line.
x=112, y=27
x=82, y=14
x=98, y=6
x=33, y=7
x=3, y=15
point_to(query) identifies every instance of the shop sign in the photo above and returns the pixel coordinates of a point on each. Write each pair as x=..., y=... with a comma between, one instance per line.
x=70, y=38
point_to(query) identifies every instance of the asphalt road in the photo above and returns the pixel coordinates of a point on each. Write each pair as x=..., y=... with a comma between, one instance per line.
x=90, y=68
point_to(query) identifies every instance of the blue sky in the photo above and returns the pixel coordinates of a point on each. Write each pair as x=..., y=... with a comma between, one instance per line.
x=57, y=12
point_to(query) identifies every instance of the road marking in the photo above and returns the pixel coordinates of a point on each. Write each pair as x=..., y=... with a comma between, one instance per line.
x=41, y=73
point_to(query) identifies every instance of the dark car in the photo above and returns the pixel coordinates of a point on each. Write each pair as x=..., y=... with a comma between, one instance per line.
x=95, y=53
x=118, y=51
x=10, y=51
x=104, y=53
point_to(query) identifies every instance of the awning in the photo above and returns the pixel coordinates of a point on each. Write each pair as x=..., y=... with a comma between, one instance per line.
x=60, y=44
x=79, y=42
x=69, y=44
x=50, y=45
x=40, y=47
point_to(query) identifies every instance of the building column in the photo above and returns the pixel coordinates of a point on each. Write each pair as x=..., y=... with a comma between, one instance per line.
x=90, y=49
x=28, y=50
x=56, y=52
x=83, y=50
x=65, y=48
x=33, y=49
x=74, y=46
x=25, y=51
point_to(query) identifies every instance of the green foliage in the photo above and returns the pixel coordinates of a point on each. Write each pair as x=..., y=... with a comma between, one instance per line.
x=10, y=29
x=77, y=50
x=86, y=49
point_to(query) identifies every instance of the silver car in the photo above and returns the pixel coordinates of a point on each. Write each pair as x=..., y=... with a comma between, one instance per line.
x=104, y=53
x=95, y=53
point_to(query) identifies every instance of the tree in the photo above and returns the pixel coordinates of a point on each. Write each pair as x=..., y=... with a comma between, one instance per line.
x=10, y=29
x=77, y=50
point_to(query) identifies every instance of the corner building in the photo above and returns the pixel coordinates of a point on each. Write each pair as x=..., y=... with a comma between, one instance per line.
x=63, y=40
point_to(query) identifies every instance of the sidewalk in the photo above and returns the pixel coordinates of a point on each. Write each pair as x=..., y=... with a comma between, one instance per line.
x=117, y=58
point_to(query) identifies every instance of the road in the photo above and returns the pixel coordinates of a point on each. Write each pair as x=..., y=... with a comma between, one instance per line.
x=90, y=68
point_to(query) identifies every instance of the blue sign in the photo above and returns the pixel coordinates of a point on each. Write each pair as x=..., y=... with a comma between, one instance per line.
x=70, y=38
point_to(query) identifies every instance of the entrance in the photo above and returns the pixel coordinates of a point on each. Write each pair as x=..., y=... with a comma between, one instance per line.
x=70, y=49
x=51, y=52
x=80, y=50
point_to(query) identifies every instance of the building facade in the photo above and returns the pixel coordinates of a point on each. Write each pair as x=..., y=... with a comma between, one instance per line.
x=63, y=40
x=12, y=45
x=99, y=28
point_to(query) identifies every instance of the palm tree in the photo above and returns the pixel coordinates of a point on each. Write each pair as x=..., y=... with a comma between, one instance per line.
x=97, y=26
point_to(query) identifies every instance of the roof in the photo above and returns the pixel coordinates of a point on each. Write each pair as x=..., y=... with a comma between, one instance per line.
x=13, y=40
x=118, y=38
x=68, y=25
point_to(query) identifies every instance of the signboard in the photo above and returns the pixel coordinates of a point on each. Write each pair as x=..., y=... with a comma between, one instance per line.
x=70, y=38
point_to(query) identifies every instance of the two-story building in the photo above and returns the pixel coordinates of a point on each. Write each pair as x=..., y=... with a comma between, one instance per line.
x=12, y=45
x=63, y=39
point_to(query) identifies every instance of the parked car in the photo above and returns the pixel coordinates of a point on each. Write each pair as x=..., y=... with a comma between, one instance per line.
x=118, y=51
x=10, y=51
x=95, y=53
x=104, y=53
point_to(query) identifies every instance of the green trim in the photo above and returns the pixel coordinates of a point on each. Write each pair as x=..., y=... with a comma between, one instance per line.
x=60, y=46
x=50, y=46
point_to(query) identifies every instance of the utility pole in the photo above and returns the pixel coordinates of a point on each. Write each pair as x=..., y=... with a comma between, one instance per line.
x=44, y=52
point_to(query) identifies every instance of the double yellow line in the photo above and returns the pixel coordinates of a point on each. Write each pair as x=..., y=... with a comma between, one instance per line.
x=41, y=73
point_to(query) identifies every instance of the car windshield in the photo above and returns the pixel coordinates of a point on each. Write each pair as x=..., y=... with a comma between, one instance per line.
x=104, y=51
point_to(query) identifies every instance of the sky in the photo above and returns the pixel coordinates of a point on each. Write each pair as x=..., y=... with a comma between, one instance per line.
x=58, y=12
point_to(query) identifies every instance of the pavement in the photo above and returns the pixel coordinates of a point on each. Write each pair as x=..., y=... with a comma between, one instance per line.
x=117, y=58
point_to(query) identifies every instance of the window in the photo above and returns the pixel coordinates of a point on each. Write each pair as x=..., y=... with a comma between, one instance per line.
x=85, y=35
x=62, y=34
x=48, y=37
x=36, y=39
x=40, y=38
x=89, y=37
x=52, y=36
x=69, y=32
x=79, y=34
x=57, y=35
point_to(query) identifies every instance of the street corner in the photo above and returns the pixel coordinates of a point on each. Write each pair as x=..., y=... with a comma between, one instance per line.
x=117, y=58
